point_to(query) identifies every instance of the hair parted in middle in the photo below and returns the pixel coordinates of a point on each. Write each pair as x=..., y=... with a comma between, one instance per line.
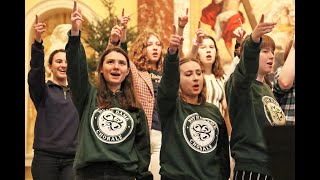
x=203, y=94
x=127, y=95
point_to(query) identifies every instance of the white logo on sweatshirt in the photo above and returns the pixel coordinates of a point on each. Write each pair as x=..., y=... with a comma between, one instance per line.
x=112, y=125
x=200, y=133
x=273, y=111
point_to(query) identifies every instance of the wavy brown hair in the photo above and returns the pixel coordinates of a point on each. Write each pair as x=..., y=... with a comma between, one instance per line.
x=217, y=69
x=203, y=94
x=138, y=52
x=126, y=96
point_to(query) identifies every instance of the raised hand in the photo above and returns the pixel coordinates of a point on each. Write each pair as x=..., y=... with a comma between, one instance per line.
x=115, y=31
x=76, y=19
x=261, y=29
x=199, y=34
x=124, y=22
x=175, y=41
x=239, y=33
x=39, y=28
x=183, y=19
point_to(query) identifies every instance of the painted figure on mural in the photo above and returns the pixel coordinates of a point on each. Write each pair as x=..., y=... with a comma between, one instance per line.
x=284, y=29
x=223, y=17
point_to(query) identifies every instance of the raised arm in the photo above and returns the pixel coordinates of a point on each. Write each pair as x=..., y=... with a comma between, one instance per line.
x=77, y=71
x=197, y=41
x=239, y=34
x=119, y=33
x=182, y=22
x=247, y=71
x=170, y=81
x=287, y=74
x=36, y=75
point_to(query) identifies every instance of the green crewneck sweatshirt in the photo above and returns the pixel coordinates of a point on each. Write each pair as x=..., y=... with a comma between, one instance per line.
x=194, y=137
x=252, y=107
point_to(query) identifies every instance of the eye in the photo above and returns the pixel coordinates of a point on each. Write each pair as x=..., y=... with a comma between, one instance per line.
x=110, y=62
x=188, y=73
x=122, y=62
x=58, y=61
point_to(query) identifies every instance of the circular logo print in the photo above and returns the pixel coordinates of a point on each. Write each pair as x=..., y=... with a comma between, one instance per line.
x=112, y=125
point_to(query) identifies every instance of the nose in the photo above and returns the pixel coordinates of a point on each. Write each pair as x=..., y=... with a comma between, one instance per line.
x=64, y=64
x=196, y=77
x=271, y=55
x=116, y=65
x=154, y=47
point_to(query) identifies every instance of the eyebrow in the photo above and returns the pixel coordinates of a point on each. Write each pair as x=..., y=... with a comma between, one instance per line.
x=116, y=59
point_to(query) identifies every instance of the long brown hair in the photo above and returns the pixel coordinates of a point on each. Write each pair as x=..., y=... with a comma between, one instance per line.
x=127, y=96
x=138, y=52
x=217, y=69
x=203, y=94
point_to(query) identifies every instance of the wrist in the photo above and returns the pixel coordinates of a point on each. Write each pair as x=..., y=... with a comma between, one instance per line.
x=196, y=43
x=180, y=26
x=114, y=43
x=172, y=51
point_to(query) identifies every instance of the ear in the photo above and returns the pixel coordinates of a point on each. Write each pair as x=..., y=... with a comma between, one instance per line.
x=50, y=67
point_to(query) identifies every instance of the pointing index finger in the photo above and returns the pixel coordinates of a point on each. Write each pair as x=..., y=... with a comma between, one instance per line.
x=122, y=12
x=187, y=10
x=199, y=24
x=74, y=6
x=261, y=19
x=36, y=19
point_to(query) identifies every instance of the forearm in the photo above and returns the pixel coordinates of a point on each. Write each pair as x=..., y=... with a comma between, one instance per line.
x=36, y=75
x=77, y=72
x=193, y=52
x=287, y=74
